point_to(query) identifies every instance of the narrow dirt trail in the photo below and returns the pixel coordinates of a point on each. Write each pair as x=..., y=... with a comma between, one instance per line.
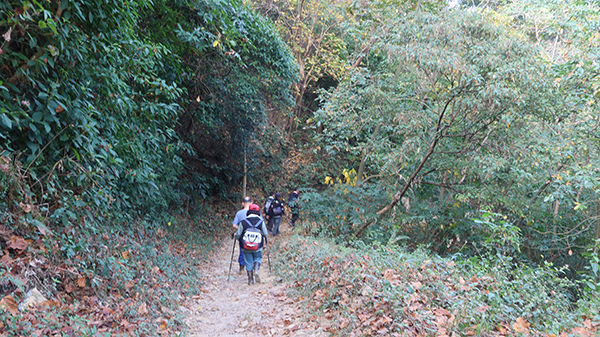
x=235, y=308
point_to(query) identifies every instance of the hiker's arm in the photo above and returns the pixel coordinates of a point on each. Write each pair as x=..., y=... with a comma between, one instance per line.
x=263, y=228
x=238, y=233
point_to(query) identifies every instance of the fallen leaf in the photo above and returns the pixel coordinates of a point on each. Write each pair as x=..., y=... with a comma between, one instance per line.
x=68, y=288
x=521, y=325
x=417, y=285
x=126, y=254
x=129, y=285
x=59, y=109
x=8, y=303
x=17, y=243
x=81, y=282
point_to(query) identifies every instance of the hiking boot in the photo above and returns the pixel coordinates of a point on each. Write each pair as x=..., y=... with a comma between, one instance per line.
x=241, y=269
x=256, y=274
x=250, y=277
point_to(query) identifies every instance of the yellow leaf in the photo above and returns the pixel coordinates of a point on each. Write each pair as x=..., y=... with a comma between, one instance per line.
x=126, y=254
x=216, y=43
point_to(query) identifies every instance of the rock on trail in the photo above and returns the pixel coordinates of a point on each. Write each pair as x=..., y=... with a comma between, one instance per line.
x=236, y=309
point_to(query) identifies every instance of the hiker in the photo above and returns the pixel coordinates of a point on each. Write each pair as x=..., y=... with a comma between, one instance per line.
x=239, y=217
x=252, y=234
x=266, y=211
x=276, y=211
x=294, y=204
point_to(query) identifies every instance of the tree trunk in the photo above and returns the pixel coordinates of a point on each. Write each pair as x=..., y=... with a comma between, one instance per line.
x=363, y=162
x=398, y=196
x=442, y=189
x=245, y=172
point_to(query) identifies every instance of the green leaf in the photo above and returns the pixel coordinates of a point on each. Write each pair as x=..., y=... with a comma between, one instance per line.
x=6, y=121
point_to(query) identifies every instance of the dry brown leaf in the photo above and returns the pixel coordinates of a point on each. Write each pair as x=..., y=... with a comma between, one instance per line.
x=59, y=109
x=417, y=285
x=581, y=331
x=50, y=303
x=68, y=288
x=81, y=282
x=126, y=254
x=9, y=304
x=17, y=243
x=129, y=285
x=521, y=325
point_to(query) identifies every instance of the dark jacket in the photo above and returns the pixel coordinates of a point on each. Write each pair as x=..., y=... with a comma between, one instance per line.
x=274, y=204
x=294, y=203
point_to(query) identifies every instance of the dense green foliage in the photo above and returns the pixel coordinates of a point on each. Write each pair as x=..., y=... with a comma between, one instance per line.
x=462, y=111
x=115, y=119
x=470, y=129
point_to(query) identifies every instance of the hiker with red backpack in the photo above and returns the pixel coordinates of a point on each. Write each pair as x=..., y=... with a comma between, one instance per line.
x=276, y=211
x=252, y=234
x=239, y=217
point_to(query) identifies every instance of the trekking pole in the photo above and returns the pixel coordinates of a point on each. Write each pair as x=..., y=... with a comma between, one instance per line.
x=231, y=261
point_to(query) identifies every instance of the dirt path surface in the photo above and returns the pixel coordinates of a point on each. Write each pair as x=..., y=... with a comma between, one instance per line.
x=236, y=309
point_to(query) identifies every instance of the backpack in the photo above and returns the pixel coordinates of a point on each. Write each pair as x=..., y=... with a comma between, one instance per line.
x=268, y=204
x=252, y=238
x=277, y=208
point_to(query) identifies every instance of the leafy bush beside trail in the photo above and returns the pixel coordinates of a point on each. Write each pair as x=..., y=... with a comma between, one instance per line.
x=102, y=273
x=385, y=290
x=124, y=279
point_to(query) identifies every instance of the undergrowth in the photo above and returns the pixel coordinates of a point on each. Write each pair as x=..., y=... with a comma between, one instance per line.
x=100, y=273
x=386, y=290
x=118, y=279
